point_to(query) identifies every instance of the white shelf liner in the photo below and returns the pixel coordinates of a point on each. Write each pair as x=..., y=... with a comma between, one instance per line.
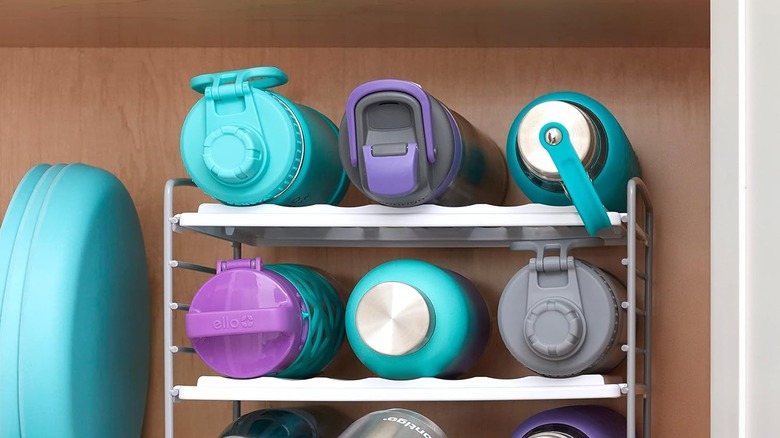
x=424, y=389
x=328, y=216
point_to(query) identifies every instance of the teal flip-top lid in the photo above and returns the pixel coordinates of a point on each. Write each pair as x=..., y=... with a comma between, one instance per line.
x=241, y=143
x=84, y=324
x=17, y=230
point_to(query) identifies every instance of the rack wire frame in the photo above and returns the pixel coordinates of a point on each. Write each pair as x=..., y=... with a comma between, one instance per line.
x=639, y=239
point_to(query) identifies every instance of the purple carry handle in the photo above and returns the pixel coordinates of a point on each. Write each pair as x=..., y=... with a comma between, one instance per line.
x=407, y=87
x=240, y=322
x=225, y=265
x=394, y=175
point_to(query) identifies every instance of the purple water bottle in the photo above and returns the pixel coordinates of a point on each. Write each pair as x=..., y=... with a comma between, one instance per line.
x=574, y=422
x=253, y=320
x=401, y=147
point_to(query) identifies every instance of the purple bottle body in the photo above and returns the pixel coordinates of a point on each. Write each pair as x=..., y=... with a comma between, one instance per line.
x=574, y=421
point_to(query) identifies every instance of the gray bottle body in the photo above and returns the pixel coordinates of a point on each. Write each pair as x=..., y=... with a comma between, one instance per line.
x=393, y=423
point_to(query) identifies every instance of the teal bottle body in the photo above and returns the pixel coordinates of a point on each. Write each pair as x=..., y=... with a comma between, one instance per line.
x=273, y=423
x=307, y=422
x=602, y=150
x=326, y=328
x=445, y=321
x=244, y=145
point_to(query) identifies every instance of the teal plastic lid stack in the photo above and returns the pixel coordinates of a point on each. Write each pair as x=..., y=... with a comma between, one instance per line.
x=21, y=218
x=82, y=318
x=245, y=145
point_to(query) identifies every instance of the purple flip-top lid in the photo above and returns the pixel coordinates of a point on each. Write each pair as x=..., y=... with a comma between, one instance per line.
x=246, y=321
x=376, y=86
x=593, y=421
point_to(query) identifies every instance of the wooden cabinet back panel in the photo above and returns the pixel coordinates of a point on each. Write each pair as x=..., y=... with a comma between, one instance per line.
x=122, y=109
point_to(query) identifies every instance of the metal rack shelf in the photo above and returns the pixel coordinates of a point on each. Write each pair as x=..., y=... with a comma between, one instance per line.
x=526, y=227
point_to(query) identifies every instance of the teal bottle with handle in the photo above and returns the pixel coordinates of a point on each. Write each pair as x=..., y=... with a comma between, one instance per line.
x=244, y=145
x=566, y=148
x=407, y=319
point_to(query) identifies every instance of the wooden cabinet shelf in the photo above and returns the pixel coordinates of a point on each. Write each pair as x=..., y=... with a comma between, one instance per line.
x=355, y=23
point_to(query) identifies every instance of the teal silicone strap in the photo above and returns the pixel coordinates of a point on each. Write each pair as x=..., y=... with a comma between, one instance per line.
x=576, y=180
x=255, y=77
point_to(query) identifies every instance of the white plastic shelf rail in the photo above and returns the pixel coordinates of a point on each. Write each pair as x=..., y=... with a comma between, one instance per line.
x=322, y=389
x=425, y=225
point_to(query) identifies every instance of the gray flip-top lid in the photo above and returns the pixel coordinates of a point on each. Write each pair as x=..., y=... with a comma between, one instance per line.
x=556, y=330
x=393, y=160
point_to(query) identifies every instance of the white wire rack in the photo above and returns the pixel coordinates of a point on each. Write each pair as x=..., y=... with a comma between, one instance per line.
x=519, y=228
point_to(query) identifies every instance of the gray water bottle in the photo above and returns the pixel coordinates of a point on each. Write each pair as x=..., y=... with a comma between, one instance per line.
x=393, y=423
x=561, y=317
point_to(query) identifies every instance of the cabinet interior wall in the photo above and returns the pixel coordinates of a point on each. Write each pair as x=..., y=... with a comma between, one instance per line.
x=122, y=109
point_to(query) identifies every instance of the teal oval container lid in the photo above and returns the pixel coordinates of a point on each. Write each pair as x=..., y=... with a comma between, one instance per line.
x=13, y=285
x=240, y=143
x=84, y=333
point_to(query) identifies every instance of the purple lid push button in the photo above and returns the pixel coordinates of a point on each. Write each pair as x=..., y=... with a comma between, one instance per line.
x=391, y=169
x=384, y=85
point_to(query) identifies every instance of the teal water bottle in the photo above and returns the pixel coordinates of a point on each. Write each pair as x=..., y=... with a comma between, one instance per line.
x=244, y=145
x=566, y=148
x=407, y=319
x=306, y=422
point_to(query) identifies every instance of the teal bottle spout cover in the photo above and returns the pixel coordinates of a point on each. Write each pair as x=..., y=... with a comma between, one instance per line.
x=234, y=154
x=555, y=139
x=244, y=144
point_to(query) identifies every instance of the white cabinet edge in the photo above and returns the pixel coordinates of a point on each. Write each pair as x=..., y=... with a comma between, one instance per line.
x=727, y=241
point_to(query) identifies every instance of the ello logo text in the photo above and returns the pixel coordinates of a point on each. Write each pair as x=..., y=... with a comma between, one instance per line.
x=225, y=322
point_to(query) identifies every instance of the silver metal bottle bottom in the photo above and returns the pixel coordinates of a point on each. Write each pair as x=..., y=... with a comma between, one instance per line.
x=394, y=318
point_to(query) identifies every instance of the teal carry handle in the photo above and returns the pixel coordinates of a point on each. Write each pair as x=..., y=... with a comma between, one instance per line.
x=575, y=180
x=256, y=77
